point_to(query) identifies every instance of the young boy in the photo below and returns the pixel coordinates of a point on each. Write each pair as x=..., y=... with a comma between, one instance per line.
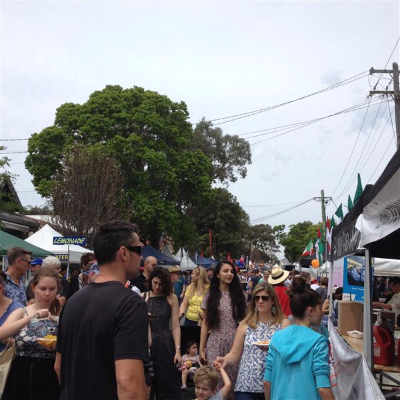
x=206, y=380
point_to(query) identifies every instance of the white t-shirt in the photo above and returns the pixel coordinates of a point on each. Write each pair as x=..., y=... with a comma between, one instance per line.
x=395, y=302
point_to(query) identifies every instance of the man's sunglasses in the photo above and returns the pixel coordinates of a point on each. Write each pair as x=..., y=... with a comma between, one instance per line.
x=135, y=249
x=263, y=298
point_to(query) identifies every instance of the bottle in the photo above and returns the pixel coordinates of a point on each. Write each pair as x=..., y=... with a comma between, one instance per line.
x=383, y=344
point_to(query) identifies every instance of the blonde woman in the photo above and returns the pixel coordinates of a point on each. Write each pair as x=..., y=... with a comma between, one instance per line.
x=263, y=319
x=191, y=304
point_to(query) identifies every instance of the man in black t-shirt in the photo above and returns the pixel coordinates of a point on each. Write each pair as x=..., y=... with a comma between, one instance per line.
x=102, y=333
x=141, y=280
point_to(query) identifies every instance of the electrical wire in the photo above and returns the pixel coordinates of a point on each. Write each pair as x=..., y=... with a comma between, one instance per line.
x=387, y=62
x=351, y=154
x=351, y=183
x=275, y=205
x=365, y=145
x=384, y=154
x=280, y=212
x=261, y=110
x=307, y=123
x=12, y=140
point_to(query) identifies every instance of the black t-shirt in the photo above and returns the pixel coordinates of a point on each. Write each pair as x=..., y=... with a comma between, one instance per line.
x=100, y=324
x=140, y=282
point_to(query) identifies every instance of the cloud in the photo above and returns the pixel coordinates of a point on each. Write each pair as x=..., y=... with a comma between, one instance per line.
x=331, y=77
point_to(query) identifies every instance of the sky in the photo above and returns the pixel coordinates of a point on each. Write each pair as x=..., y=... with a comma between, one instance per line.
x=221, y=58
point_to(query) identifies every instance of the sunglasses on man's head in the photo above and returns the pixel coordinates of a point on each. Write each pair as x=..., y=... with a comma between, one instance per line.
x=263, y=298
x=135, y=249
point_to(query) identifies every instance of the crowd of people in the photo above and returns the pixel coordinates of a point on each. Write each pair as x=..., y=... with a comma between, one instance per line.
x=119, y=328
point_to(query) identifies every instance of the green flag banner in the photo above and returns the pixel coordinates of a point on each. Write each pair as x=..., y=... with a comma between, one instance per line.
x=339, y=212
x=349, y=203
x=359, y=189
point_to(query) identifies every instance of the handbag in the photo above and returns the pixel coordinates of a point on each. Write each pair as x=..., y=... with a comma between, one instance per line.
x=6, y=358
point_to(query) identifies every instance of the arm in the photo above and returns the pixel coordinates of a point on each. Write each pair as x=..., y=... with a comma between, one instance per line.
x=326, y=394
x=176, y=328
x=57, y=366
x=130, y=380
x=227, y=384
x=203, y=338
x=184, y=306
x=237, y=348
x=325, y=307
x=267, y=390
x=18, y=319
x=382, y=305
x=285, y=323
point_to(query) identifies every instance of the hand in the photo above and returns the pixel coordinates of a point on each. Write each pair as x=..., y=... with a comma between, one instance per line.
x=177, y=358
x=44, y=313
x=181, y=296
x=203, y=359
x=181, y=315
x=220, y=362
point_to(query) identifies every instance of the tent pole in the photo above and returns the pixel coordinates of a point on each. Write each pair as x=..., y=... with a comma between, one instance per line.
x=367, y=322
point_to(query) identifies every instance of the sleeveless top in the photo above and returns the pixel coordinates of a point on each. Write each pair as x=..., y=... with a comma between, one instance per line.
x=11, y=307
x=26, y=340
x=252, y=364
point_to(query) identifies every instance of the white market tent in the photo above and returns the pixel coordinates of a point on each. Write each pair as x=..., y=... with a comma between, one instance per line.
x=44, y=238
x=186, y=262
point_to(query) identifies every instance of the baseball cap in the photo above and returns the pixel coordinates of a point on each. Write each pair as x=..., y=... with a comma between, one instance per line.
x=37, y=261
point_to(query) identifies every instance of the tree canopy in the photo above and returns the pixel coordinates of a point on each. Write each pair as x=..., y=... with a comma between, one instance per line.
x=296, y=240
x=148, y=135
x=229, y=154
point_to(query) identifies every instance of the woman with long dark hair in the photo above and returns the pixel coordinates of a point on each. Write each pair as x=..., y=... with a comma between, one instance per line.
x=165, y=348
x=224, y=306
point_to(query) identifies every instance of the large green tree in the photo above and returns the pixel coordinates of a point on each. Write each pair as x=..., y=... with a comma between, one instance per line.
x=296, y=240
x=149, y=136
x=7, y=193
x=229, y=154
x=263, y=241
x=228, y=222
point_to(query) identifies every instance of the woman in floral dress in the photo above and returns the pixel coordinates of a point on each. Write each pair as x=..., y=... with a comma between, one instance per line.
x=224, y=306
x=263, y=319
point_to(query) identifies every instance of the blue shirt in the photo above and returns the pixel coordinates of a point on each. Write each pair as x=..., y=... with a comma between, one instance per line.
x=13, y=306
x=15, y=292
x=178, y=285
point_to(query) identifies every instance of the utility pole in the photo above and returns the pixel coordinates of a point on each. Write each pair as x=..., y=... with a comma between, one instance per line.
x=324, y=200
x=395, y=93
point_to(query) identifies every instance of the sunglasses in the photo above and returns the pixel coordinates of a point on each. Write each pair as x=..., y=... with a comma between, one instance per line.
x=263, y=298
x=135, y=249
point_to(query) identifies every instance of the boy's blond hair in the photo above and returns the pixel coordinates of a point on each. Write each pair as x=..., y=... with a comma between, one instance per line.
x=207, y=373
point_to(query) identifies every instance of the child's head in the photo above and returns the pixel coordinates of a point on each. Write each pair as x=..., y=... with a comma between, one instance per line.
x=205, y=380
x=191, y=348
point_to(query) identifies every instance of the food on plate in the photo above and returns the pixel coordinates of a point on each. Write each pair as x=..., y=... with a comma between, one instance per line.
x=48, y=342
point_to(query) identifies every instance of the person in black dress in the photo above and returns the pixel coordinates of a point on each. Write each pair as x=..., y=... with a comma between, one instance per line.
x=165, y=349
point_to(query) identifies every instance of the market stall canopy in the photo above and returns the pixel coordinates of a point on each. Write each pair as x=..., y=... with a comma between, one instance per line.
x=186, y=263
x=44, y=238
x=205, y=262
x=8, y=241
x=162, y=259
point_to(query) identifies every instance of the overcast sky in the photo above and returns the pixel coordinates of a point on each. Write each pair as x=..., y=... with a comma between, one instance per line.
x=221, y=58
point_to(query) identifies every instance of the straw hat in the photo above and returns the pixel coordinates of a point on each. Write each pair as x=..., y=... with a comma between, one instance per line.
x=278, y=275
x=174, y=268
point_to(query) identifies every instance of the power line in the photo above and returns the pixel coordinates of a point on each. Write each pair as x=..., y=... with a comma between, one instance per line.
x=12, y=140
x=261, y=110
x=365, y=145
x=280, y=212
x=365, y=163
x=352, y=151
x=14, y=152
x=350, y=109
x=391, y=140
x=275, y=205
x=387, y=62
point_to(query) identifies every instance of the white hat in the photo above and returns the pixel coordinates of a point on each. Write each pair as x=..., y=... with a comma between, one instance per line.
x=278, y=275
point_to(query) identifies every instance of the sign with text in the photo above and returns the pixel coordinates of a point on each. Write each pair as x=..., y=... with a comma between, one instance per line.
x=61, y=240
x=62, y=257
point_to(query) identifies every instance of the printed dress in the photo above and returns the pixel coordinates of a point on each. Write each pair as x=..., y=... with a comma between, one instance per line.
x=252, y=363
x=220, y=340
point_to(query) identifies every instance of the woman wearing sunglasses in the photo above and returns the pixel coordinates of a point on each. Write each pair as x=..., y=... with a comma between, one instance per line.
x=263, y=319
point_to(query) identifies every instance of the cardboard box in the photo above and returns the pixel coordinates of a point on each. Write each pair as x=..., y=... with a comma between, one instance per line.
x=350, y=316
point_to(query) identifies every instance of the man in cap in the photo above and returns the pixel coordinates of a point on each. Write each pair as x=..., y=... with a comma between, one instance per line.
x=19, y=260
x=277, y=279
x=103, y=327
x=33, y=268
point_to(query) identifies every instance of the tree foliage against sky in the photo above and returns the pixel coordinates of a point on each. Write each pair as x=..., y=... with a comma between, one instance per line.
x=229, y=154
x=296, y=240
x=148, y=135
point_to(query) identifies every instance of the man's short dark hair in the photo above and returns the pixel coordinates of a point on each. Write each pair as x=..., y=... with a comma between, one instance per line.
x=395, y=280
x=110, y=237
x=16, y=252
x=86, y=257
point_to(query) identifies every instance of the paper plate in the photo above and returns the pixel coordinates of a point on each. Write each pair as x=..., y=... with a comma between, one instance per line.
x=262, y=344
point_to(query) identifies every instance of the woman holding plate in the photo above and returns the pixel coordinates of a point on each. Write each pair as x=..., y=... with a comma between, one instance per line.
x=263, y=319
x=32, y=374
